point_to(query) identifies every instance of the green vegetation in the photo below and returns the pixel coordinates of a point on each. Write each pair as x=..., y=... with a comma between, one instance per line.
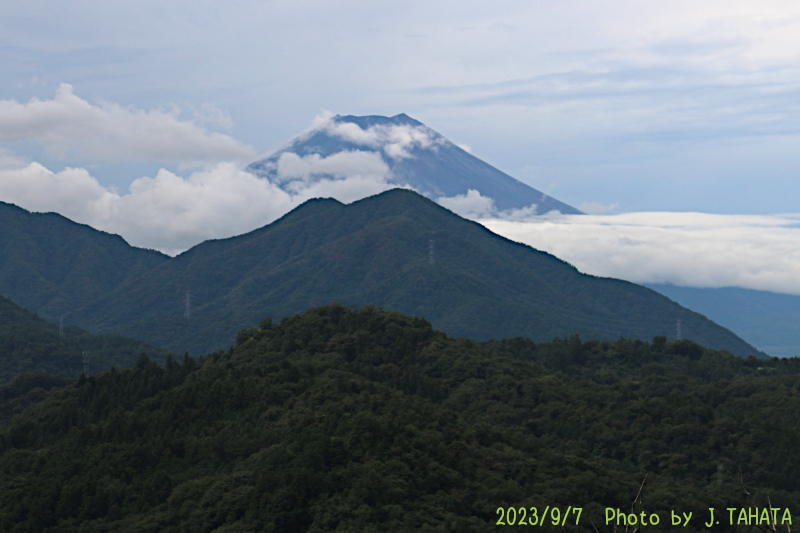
x=368, y=420
x=29, y=344
x=52, y=265
x=397, y=249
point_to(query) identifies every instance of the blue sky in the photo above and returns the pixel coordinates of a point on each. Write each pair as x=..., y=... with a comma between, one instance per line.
x=618, y=106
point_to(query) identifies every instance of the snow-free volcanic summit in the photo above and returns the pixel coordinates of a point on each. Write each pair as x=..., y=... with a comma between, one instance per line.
x=403, y=152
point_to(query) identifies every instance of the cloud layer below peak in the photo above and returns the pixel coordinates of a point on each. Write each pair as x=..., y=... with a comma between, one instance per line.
x=687, y=249
x=172, y=213
x=168, y=212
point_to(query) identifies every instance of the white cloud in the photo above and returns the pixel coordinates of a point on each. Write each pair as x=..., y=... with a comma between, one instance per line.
x=595, y=208
x=476, y=206
x=395, y=140
x=523, y=213
x=36, y=188
x=68, y=124
x=168, y=212
x=621, y=91
x=345, y=190
x=470, y=205
x=208, y=113
x=689, y=249
x=291, y=167
x=172, y=213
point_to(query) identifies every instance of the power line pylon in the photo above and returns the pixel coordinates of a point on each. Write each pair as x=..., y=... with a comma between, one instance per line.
x=187, y=308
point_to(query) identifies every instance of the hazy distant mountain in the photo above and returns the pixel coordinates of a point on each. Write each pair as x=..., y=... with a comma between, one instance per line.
x=404, y=152
x=398, y=250
x=765, y=319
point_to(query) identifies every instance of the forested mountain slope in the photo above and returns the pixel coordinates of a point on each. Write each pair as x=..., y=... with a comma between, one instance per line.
x=52, y=265
x=365, y=420
x=30, y=344
x=397, y=250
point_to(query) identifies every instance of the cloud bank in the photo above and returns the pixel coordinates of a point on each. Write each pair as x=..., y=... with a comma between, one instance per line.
x=688, y=249
x=168, y=212
x=171, y=213
x=68, y=124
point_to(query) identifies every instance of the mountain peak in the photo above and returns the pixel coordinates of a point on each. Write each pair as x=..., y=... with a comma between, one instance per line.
x=397, y=151
x=368, y=121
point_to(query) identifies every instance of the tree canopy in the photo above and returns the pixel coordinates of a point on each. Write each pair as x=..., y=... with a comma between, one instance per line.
x=360, y=419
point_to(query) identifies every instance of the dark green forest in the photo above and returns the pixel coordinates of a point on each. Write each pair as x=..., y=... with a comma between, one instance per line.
x=29, y=344
x=53, y=265
x=360, y=419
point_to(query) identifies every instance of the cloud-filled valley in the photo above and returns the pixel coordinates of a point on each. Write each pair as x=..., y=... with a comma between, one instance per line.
x=686, y=249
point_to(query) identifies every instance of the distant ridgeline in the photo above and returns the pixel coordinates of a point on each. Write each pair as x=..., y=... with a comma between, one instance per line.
x=367, y=420
x=31, y=344
x=766, y=319
x=398, y=250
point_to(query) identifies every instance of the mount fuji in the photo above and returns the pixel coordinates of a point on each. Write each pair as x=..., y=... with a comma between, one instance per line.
x=399, y=151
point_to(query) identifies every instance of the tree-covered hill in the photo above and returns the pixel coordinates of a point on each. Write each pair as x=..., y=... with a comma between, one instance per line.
x=52, y=265
x=367, y=420
x=29, y=344
x=398, y=250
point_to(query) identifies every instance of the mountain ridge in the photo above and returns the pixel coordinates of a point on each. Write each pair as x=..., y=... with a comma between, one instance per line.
x=768, y=320
x=50, y=264
x=398, y=250
x=30, y=344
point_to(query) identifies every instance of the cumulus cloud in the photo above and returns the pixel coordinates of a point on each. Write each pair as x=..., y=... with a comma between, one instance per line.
x=172, y=213
x=291, y=167
x=168, y=212
x=476, y=206
x=689, y=249
x=394, y=140
x=470, y=205
x=67, y=124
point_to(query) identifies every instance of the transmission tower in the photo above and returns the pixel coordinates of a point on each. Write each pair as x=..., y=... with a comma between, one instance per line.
x=187, y=309
x=85, y=355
